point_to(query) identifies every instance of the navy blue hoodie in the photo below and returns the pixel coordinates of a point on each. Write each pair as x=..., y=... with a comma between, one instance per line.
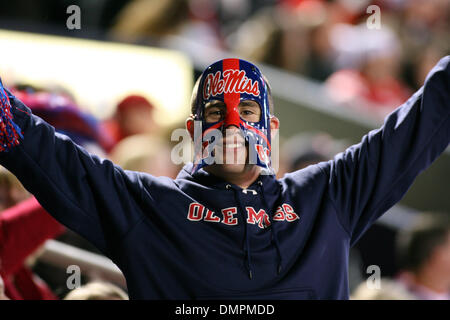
x=199, y=237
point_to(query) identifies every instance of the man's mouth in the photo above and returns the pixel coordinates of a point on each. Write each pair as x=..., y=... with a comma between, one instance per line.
x=234, y=145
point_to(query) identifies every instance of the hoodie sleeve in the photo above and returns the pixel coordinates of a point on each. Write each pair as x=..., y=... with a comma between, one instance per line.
x=87, y=194
x=370, y=177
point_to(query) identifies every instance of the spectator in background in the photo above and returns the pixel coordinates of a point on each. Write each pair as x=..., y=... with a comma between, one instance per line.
x=154, y=21
x=370, y=70
x=24, y=227
x=368, y=63
x=133, y=115
x=295, y=35
x=424, y=256
x=273, y=36
x=97, y=290
x=145, y=153
x=11, y=190
x=424, y=264
x=423, y=23
x=416, y=68
x=150, y=18
x=316, y=18
x=61, y=111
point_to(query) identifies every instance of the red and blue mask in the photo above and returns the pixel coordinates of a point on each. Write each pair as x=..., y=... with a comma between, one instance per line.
x=232, y=81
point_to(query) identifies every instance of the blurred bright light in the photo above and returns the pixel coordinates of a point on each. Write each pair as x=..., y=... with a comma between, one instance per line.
x=99, y=74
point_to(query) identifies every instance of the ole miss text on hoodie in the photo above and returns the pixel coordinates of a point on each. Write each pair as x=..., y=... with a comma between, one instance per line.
x=199, y=237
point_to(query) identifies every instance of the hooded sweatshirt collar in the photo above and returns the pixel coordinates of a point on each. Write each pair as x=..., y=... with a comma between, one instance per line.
x=265, y=187
x=207, y=179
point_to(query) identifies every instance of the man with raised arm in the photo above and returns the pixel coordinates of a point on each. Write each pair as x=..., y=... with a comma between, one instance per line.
x=226, y=228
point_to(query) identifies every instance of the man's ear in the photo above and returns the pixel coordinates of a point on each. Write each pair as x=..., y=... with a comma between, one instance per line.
x=274, y=125
x=190, y=126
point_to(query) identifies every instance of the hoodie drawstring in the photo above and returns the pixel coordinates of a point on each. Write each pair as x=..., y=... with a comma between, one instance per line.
x=273, y=231
x=248, y=258
x=247, y=248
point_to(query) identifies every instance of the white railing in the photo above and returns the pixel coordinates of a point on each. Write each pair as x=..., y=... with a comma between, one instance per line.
x=63, y=255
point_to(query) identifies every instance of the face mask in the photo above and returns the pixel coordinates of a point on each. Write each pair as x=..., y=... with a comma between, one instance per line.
x=232, y=81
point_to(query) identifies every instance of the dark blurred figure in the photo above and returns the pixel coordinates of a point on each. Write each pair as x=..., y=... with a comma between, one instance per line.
x=26, y=13
x=424, y=258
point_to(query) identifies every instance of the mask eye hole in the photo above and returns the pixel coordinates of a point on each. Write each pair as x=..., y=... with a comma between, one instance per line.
x=250, y=111
x=215, y=111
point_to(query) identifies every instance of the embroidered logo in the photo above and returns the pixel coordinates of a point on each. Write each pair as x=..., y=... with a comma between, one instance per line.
x=233, y=81
x=198, y=212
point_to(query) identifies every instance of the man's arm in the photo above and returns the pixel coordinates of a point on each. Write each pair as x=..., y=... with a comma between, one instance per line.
x=89, y=195
x=370, y=177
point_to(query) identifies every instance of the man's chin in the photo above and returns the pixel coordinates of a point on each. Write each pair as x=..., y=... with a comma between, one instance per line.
x=232, y=168
x=227, y=169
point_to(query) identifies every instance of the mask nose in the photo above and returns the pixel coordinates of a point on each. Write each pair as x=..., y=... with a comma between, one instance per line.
x=232, y=117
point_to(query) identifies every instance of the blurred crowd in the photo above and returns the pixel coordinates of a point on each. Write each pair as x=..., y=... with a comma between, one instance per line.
x=328, y=41
x=367, y=67
x=369, y=59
